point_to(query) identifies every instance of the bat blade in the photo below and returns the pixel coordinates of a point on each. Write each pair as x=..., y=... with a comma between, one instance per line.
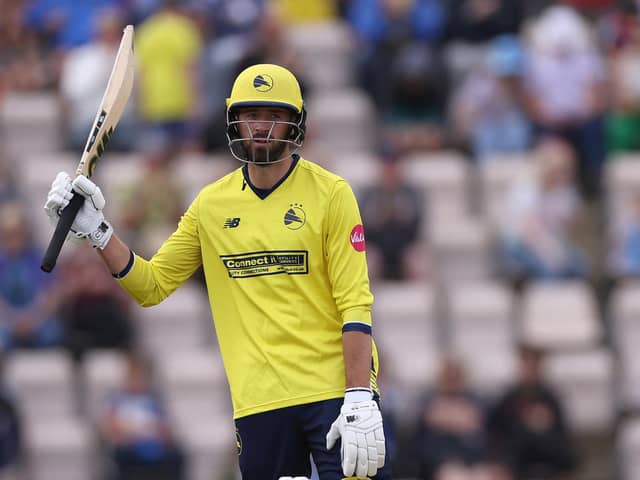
x=109, y=112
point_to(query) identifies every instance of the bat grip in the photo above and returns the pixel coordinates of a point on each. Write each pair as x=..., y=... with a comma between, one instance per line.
x=60, y=234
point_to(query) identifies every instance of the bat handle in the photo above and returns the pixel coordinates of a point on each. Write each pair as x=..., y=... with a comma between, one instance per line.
x=60, y=234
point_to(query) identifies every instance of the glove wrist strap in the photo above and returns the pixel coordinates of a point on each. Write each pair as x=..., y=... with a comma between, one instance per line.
x=357, y=394
x=101, y=235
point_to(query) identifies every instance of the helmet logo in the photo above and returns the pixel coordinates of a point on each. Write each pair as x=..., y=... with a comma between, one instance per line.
x=263, y=83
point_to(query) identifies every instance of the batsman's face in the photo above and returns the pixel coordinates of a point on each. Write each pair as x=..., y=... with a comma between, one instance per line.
x=264, y=128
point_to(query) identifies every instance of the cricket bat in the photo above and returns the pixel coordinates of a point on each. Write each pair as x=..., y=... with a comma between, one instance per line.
x=111, y=107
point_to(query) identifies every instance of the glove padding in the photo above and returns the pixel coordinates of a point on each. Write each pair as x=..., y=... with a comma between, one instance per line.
x=89, y=222
x=363, y=448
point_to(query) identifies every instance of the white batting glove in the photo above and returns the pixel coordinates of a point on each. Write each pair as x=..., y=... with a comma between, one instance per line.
x=360, y=427
x=90, y=222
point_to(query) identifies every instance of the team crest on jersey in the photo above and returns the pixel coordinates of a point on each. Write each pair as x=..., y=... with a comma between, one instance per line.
x=295, y=217
x=357, y=238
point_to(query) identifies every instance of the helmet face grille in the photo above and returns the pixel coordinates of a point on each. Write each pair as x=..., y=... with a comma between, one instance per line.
x=265, y=85
x=239, y=145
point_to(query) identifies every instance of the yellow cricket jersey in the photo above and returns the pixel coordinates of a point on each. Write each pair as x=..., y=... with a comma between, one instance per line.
x=295, y=12
x=167, y=48
x=286, y=274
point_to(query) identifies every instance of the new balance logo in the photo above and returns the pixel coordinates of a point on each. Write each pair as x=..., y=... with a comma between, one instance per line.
x=231, y=222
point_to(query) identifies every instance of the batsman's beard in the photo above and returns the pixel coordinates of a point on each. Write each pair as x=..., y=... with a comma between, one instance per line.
x=262, y=154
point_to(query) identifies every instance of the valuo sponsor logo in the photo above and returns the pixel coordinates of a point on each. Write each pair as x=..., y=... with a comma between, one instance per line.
x=357, y=238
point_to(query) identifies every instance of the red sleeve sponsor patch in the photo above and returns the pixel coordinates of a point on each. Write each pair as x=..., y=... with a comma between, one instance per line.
x=357, y=238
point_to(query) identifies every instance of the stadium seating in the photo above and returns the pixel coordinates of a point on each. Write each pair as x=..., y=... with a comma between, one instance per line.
x=101, y=372
x=210, y=444
x=44, y=383
x=407, y=331
x=343, y=119
x=359, y=167
x=584, y=380
x=197, y=395
x=623, y=313
x=444, y=179
x=324, y=52
x=194, y=384
x=181, y=322
x=628, y=448
x=461, y=250
x=30, y=123
x=621, y=182
x=60, y=449
x=559, y=315
x=496, y=175
x=481, y=331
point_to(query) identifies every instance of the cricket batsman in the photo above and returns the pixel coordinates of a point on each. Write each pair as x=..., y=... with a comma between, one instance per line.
x=282, y=247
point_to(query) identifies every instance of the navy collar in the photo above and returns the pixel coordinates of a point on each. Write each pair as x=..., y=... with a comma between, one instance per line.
x=263, y=193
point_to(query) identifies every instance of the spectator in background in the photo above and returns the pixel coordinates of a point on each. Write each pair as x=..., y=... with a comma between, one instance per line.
x=11, y=447
x=136, y=429
x=478, y=21
x=392, y=212
x=63, y=24
x=294, y=11
x=29, y=298
x=623, y=119
x=487, y=111
x=168, y=49
x=8, y=181
x=537, y=232
x=414, y=116
x=256, y=36
x=233, y=28
x=452, y=441
x=593, y=7
x=565, y=87
x=151, y=209
x=229, y=18
x=21, y=64
x=382, y=28
x=55, y=26
x=140, y=10
x=85, y=73
x=94, y=310
x=624, y=240
x=471, y=25
x=529, y=426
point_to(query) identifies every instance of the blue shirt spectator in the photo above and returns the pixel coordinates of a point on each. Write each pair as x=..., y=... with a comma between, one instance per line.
x=65, y=23
x=373, y=21
x=28, y=297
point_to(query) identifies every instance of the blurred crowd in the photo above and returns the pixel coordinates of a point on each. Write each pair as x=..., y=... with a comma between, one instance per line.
x=557, y=82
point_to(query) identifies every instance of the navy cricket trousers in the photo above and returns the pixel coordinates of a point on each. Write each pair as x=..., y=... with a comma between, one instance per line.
x=278, y=443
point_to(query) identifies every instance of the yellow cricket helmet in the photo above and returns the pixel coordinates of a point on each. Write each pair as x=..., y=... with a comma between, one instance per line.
x=265, y=85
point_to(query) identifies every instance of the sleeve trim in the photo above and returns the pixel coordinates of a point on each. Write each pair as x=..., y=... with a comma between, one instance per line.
x=126, y=269
x=356, y=327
